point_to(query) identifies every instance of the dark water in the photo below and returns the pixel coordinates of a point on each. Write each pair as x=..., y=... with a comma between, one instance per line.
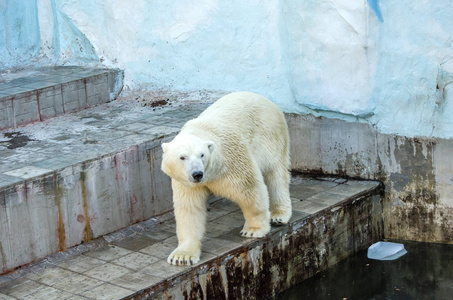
x=425, y=272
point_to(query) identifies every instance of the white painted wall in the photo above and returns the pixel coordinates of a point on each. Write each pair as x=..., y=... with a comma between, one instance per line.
x=389, y=64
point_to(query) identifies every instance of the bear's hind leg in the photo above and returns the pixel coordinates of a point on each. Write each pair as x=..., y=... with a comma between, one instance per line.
x=277, y=181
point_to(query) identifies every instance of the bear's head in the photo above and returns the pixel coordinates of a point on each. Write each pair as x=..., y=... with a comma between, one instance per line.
x=186, y=158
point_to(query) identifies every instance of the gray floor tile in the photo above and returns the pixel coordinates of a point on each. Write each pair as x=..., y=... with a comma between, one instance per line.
x=108, y=253
x=218, y=246
x=135, y=260
x=81, y=263
x=217, y=229
x=232, y=220
x=352, y=188
x=309, y=207
x=164, y=270
x=160, y=232
x=107, y=272
x=136, y=243
x=106, y=291
x=21, y=288
x=78, y=297
x=160, y=250
x=234, y=236
x=78, y=284
x=136, y=281
x=214, y=214
x=224, y=204
x=298, y=215
x=327, y=197
x=6, y=297
x=50, y=276
x=304, y=192
x=48, y=293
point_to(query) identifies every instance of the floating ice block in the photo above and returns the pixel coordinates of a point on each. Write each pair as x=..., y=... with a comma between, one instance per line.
x=386, y=251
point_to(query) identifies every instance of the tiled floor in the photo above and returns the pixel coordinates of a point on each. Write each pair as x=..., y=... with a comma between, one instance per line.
x=134, y=258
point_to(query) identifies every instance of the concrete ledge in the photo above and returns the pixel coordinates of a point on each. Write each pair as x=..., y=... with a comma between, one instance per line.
x=333, y=218
x=319, y=235
x=39, y=94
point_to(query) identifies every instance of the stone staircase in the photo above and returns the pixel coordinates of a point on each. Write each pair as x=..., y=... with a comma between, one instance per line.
x=85, y=212
x=39, y=94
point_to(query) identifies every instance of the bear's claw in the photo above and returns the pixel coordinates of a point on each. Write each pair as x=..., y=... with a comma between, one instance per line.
x=278, y=221
x=280, y=218
x=182, y=259
x=252, y=233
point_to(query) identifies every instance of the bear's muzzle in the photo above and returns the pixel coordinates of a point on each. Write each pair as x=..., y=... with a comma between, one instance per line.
x=197, y=176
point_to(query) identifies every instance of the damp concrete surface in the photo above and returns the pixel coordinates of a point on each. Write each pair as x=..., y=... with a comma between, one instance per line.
x=425, y=272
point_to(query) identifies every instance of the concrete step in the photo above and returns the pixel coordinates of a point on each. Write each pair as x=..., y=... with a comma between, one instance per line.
x=38, y=94
x=333, y=218
x=73, y=178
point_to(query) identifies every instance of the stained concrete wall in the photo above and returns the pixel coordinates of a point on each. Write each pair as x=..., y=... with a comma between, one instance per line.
x=64, y=208
x=417, y=172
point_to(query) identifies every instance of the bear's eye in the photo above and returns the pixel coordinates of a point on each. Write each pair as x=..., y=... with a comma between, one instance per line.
x=182, y=158
x=202, y=155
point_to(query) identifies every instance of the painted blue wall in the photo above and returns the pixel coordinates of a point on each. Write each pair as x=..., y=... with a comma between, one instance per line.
x=386, y=63
x=19, y=32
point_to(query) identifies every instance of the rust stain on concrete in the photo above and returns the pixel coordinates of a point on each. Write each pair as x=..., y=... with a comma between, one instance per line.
x=61, y=225
x=3, y=255
x=88, y=232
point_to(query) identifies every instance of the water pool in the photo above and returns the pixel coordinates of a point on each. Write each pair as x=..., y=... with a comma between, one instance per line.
x=425, y=272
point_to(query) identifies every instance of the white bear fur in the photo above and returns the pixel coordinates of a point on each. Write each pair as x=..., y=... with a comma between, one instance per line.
x=241, y=146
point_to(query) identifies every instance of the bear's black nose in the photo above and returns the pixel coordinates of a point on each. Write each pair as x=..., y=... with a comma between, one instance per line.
x=198, y=175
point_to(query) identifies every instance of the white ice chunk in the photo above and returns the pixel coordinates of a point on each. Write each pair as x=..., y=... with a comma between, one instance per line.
x=386, y=251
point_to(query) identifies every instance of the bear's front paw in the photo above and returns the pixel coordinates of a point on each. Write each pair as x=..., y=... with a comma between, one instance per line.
x=182, y=258
x=252, y=232
x=280, y=218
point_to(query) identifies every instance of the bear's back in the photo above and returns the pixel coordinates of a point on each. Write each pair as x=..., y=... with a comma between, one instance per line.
x=246, y=120
x=242, y=111
x=244, y=127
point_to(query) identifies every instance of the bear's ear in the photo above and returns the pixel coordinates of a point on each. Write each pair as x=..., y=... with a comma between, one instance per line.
x=164, y=146
x=211, y=146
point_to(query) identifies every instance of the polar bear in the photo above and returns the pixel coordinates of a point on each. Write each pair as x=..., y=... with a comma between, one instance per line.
x=238, y=148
